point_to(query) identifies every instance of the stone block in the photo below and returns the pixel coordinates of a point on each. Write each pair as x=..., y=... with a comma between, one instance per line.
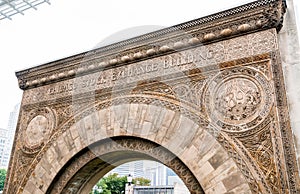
x=218, y=158
x=205, y=170
x=217, y=188
x=233, y=181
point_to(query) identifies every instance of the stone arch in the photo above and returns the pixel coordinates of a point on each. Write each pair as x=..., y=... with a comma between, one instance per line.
x=199, y=151
x=200, y=59
x=104, y=155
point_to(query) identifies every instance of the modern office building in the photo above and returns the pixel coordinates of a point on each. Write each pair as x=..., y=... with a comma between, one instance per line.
x=12, y=123
x=158, y=173
x=4, y=148
x=7, y=137
x=135, y=169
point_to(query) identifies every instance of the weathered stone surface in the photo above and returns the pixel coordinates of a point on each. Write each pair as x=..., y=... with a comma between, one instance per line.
x=212, y=106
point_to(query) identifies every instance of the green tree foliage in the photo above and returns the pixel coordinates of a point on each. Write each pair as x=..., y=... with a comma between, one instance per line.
x=2, y=178
x=141, y=181
x=113, y=184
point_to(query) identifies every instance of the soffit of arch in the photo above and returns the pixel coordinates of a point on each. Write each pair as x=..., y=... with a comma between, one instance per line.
x=102, y=155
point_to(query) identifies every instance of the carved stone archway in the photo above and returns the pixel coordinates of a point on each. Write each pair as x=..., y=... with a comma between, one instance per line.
x=82, y=135
x=105, y=155
x=208, y=93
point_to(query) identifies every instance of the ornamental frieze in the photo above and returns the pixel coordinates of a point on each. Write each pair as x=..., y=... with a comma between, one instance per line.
x=163, y=67
x=206, y=98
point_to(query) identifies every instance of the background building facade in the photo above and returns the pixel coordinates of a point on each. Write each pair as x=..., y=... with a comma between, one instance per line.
x=158, y=173
x=7, y=137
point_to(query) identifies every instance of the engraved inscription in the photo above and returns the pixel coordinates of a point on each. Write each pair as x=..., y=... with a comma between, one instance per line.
x=155, y=68
x=148, y=69
x=225, y=84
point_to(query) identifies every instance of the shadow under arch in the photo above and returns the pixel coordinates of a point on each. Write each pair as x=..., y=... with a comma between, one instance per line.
x=83, y=170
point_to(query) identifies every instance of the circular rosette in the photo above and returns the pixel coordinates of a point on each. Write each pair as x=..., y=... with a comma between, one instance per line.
x=37, y=129
x=238, y=99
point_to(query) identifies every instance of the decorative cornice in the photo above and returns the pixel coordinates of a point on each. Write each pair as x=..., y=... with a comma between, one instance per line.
x=256, y=16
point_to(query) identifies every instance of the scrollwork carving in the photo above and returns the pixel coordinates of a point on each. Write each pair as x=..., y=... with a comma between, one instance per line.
x=261, y=149
x=236, y=97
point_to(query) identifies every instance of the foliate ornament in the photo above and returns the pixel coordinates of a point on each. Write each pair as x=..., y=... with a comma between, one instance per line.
x=261, y=149
x=191, y=92
x=37, y=129
x=259, y=43
x=156, y=87
x=63, y=112
x=236, y=97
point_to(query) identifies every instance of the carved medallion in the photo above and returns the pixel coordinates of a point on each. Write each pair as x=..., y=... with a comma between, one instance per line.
x=238, y=97
x=38, y=129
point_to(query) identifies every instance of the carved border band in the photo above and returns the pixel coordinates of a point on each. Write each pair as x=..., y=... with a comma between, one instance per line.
x=203, y=57
x=222, y=71
x=256, y=16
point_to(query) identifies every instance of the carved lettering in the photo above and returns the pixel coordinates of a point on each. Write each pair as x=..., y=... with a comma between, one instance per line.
x=136, y=71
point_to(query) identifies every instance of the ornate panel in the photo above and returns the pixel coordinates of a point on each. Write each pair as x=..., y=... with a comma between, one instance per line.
x=235, y=104
x=223, y=72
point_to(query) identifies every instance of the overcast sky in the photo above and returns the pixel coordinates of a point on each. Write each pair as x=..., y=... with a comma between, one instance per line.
x=67, y=27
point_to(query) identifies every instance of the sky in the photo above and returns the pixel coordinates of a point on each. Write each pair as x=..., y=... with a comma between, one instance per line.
x=67, y=27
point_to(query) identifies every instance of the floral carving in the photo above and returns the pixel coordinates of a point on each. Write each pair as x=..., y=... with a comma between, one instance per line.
x=260, y=147
x=36, y=130
x=237, y=99
x=231, y=96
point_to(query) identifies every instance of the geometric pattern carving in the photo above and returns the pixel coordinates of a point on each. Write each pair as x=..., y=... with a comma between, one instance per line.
x=261, y=149
x=215, y=84
x=251, y=134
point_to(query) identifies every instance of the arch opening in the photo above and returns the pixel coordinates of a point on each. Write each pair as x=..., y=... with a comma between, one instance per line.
x=140, y=176
x=85, y=169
